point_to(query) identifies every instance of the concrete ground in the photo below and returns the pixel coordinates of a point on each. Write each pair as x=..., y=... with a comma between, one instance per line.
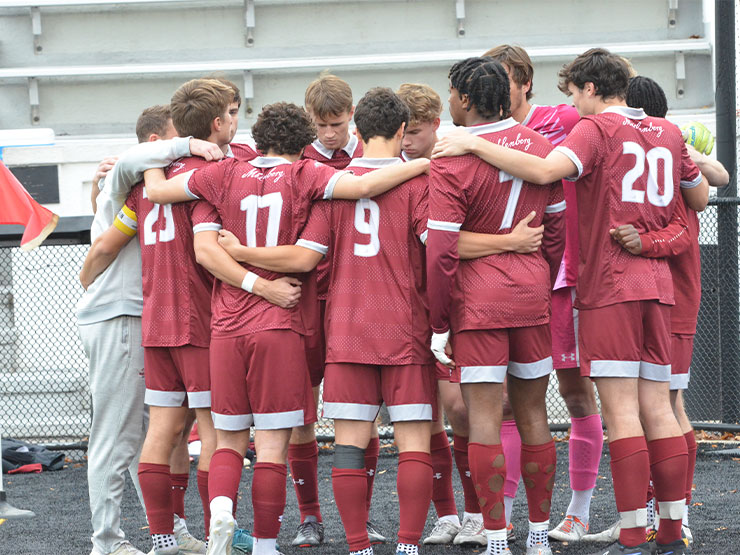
x=62, y=525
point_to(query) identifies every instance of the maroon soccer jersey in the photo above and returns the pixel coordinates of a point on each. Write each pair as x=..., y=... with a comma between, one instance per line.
x=629, y=169
x=504, y=290
x=243, y=152
x=338, y=159
x=376, y=310
x=264, y=202
x=177, y=290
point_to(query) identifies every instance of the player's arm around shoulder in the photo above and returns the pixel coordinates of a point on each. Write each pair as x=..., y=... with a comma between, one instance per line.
x=374, y=183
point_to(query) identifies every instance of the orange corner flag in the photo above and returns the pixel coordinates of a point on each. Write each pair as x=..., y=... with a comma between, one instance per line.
x=17, y=207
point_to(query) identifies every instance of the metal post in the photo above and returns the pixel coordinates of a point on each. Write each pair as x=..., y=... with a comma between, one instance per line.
x=727, y=213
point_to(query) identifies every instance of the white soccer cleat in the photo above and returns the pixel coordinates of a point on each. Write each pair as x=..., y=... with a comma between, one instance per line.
x=471, y=532
x=539, y=549
x=186, y=542
x=123, y=549
x=571, y=529
x=222, y=533
x=611, y=534
x=443, y=533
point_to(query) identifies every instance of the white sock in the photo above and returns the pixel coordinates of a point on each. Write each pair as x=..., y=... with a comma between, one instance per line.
x=497, y=544
x=407, y=548
x=538, y=533
x=685, y=520
x=651, y=514
x=222, y=504
x=264, y=546
x=454, y=519
x=580, y=504
x=367, y=551
x=508, y=508
x=164, y=542
x=476, y=516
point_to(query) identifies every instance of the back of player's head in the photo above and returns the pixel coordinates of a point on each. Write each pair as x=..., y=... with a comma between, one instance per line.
x=328, y=96
x=645, y=93
x=380, y=113
x=423, y=102
x=153, y=120
x=486, y=83
x=283, y=128
x=516, y=59
x=197, y=103
x=608, y=72
x=228, y=83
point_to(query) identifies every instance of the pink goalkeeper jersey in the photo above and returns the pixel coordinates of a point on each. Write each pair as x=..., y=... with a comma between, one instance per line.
x=629, y=168
x=500, y=291
x=554, y=123
x=376, y=309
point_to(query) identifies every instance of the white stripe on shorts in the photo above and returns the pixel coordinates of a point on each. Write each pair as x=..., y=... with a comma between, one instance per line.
x=680, y=381
x=232, y=422
x=157, y=398
x=482, y=374
x=655, y=372
x=531, y=370
x=411, y=412
x=351, y=411
x=199, y=399
x=615, y=369
x=279, y=420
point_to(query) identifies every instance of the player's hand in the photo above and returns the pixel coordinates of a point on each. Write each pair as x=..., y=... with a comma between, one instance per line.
x=229, y=242
x=697, y=135
x=441, y=350
x=204, y=149
x=525, y=239
x=103, y=168
x=284, y=292
x=628, y=237
x=455, y=143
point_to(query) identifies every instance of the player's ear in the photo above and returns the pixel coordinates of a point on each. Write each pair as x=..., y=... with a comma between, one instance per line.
x=400, y=132
x=465, y=101
x=359, y=136
x=153, y=137
x=527, y=87
x=436, y=123
x=351, y=113
x=589, y=88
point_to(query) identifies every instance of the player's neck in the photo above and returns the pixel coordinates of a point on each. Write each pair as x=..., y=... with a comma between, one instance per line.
x=601, y=105
x=521, y=112
x=379, y=147
x=213, y=138
x=289, y=157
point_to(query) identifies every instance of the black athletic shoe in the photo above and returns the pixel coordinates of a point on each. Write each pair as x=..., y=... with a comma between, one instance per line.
x=618, y=549
x=678, y=547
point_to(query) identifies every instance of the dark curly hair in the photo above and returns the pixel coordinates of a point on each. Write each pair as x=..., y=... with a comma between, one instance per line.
x=645, y=93
x=283, y=128
x=486, y=83
x=380, y=113
x=609, y=73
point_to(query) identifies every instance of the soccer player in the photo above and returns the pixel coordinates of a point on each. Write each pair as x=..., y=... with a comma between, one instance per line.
x=615, y=154
x=586, y=436
x=257, y=349
x=496, y=306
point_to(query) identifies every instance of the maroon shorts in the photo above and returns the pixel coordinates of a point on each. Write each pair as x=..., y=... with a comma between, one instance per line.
x=486, y=356
x=626, y=340
x=682, y=349
x=316, y=348
x=356, y=391
x=261, y=379
x=442, y=372
x=564, y=329
x=177, y=377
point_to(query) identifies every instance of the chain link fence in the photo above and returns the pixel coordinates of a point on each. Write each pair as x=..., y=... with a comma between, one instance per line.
x=44, y=394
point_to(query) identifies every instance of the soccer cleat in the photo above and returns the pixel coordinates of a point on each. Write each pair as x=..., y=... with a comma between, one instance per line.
x=611, y=534
x=186, y=542
x=443, y=533
x=618, y=549
x=539, y=549
x=374, y=535
x=652, y=533
x=221, y=535
x=310, y=534
x=571, y=529
x=471, y=532
x=678, y=547
x=510, y=534
x=687, y=535
x=124, y=548
x=243, y=542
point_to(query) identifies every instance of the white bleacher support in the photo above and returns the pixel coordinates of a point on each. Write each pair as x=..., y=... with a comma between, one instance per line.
x=248, y=91
x=680, y=74
x=460, y=14
x=672, y=13
x=33, y=100
x=250, y=22
x=36, y=29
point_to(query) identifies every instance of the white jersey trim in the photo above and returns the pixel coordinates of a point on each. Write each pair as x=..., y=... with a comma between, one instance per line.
x=349, y=148
x=268, y=161
x=626, y=111
x=157, y=398
x=482, y=374
x=573, y=158
x=691, y=184
x=207, y=226
x=329, y=190
x=232, y=422
x=423, y=237
x=443, y=226
x=529, y=115
x=531, y=370
x=313, y=245
x=486, y=128
x=410, y=412
x=374, y=163
x=279, y=420
x=351, y=411
x=188, y=192
x=199, y=399
x=555, y=208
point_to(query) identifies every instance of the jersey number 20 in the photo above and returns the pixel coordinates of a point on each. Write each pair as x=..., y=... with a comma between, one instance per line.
x=651, y=156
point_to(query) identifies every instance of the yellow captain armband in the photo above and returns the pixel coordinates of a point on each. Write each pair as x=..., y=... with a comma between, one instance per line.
x=126, y=221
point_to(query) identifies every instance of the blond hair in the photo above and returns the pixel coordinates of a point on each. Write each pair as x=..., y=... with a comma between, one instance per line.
x=328, y=96
x=517, y=61
x=197, y=103
x=422, y=100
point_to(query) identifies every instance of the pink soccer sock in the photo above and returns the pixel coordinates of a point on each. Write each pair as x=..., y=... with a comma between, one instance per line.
x=512, y=444
x=584, y=451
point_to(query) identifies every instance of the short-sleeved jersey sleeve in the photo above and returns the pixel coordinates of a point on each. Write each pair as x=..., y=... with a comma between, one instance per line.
x=690, y=174
x=316, y=180
x=207, y=182
x=420, y=204
x=447, y=203
x=127, y=219
x=316, y=235
x=204, y=217
x=583, y=147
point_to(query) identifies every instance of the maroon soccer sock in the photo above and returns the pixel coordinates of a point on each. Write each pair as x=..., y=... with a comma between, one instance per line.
x=668, y=461
x=691, y=465
x=224, y=474
x=538, y=470
x=463, y=468
x=630, y=466
x=304, y=461
x=202, y=477
x=371, y=465
x=442, y=492
x=511, y=442
x=179, y=486
x=156, y=487
x=268, y=498
x=350, y=489
x=414, y=485
x=488, y=470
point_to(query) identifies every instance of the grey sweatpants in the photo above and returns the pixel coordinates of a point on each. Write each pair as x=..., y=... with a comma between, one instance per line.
x=119, y=421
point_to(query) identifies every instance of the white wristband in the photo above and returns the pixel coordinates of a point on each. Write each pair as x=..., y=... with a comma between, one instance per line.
x=248, y=281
